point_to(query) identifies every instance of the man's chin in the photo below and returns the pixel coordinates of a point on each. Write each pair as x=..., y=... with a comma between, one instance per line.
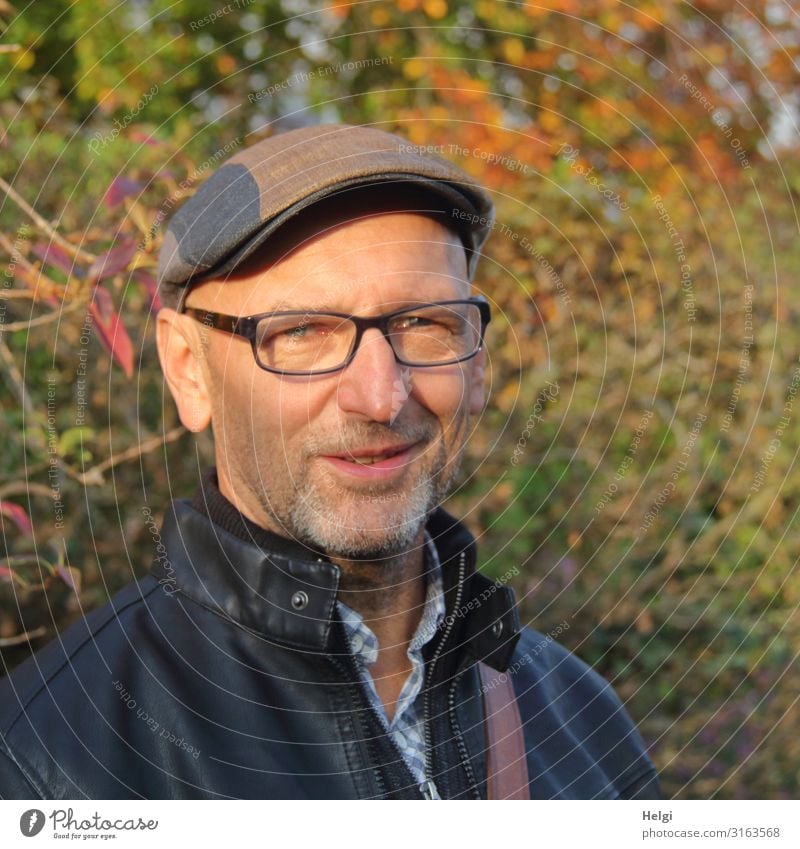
x=366, y=526
x=365, y=534
x=364, y=542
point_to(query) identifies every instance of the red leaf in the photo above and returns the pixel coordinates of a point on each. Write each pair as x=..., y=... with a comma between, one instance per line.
x=145, y=138
x=111, y=331
x=18, y=516
x=70, y=576
x=149, y=285
x=6, y=574
x=121, y=188
x=55, y=255
x=113, y=261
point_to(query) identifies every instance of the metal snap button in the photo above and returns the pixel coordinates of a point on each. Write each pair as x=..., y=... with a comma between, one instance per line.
x=497, y=629
x=299, y=600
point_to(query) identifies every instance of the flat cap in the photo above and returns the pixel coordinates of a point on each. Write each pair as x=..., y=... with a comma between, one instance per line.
x=258, y=189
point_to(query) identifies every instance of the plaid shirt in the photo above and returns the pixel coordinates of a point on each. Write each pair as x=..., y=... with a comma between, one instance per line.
x=407, y=728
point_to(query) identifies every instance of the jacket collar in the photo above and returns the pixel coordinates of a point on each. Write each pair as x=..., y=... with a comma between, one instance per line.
x=286, y=592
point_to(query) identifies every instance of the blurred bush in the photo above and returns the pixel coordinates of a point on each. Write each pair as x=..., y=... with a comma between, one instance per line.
x=637, y=461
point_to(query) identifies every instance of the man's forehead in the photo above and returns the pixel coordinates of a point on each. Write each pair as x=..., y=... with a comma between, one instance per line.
x=370, y=293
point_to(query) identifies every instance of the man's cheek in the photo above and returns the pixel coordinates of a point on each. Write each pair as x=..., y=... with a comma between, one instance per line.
x=273, y=450
x=441, y=395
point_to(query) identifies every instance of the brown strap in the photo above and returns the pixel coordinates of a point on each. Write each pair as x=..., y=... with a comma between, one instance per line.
x=506, y=756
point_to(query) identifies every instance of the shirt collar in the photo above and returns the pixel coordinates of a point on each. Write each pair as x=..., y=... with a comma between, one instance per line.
x=362, y=639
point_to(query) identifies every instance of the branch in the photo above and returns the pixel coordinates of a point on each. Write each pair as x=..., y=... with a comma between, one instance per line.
x=24, y=637
x=42, y=319
x=18, y=293
x=17, y=382
x=5, y=242
x=18, y=385
x=94, y=476
x=43, y=225
x=25, y=488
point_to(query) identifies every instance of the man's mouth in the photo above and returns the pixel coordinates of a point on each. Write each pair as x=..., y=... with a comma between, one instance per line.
x=374, y=458
x=385, y=459
x=373, y=454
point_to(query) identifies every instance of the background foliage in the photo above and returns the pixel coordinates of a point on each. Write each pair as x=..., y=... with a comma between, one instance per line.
x=638, y=460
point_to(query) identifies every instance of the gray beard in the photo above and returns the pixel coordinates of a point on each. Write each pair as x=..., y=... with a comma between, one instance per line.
x=324, y=518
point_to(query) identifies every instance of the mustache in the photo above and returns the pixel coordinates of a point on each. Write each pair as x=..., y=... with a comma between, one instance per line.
x=357, y=437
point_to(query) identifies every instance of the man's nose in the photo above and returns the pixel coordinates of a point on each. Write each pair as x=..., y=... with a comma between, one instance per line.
x=372, y=384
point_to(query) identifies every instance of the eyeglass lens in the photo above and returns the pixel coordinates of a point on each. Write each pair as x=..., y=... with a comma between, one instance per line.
x=420, y=336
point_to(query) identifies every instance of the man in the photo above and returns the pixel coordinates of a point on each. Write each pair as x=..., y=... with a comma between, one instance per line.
x=314, y=626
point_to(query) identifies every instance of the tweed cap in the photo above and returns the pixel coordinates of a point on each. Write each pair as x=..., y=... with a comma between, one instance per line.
x=257, y=190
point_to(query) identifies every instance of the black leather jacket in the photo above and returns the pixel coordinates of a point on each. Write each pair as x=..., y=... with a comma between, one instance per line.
x=204, y=680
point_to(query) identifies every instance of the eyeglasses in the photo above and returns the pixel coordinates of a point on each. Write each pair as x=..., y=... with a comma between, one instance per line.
x=306, y=343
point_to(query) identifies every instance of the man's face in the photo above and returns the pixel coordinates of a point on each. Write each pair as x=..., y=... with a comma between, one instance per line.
x=283, y=443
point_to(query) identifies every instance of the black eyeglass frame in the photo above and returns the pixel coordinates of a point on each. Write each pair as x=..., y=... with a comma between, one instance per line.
x=246, y=327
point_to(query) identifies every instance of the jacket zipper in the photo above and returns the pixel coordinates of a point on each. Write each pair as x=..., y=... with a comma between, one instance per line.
x=345, y=671
x=351, y=667
x=462, y=748
x=428, y=790
x=429, y=787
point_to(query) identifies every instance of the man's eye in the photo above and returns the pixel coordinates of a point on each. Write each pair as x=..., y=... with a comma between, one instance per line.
x=428, y=324
x=304, y=331
x=414, y=322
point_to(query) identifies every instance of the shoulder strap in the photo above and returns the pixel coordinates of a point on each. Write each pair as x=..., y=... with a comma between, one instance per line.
x=506, y=756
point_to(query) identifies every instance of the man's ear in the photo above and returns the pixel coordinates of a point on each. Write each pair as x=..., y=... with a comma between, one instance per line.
x=477, y=392
x=179, y=352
